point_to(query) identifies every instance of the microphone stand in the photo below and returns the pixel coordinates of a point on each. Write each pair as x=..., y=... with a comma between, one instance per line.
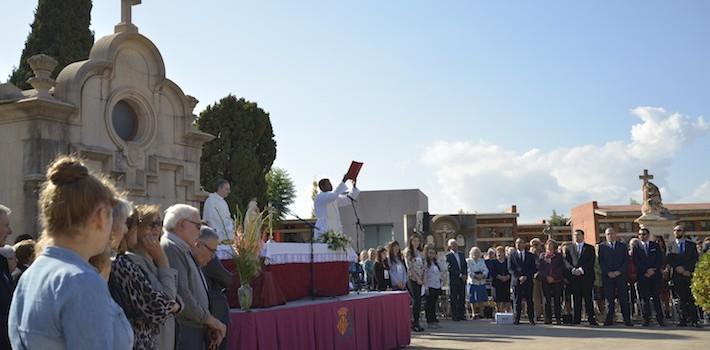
x=358, y=225
x=313, y=290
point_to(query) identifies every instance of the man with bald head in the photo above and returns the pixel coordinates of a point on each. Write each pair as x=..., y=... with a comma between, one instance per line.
x=682, y=257
x=614, y=262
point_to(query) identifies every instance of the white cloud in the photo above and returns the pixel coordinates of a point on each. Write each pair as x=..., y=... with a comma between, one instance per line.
x=481, y=176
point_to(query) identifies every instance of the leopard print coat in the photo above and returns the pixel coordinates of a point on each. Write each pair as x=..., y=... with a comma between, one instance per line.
x=146, y=308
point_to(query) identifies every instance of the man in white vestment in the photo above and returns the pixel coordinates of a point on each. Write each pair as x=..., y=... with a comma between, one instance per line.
x=216, y=211
x=327, y=203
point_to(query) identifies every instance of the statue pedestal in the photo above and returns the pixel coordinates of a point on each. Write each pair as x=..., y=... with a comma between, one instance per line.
x=658, y=225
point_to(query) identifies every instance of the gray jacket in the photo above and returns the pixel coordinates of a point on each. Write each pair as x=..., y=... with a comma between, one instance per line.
x=190, y=284
x=165, y=280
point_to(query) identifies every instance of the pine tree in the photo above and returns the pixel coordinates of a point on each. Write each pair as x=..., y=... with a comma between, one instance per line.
x=61, y=30
x=243, y=151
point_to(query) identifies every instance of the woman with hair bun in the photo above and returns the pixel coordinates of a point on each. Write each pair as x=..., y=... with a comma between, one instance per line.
x=62, y=302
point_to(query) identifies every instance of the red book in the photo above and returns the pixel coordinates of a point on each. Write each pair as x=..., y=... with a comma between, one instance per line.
x=354, y=171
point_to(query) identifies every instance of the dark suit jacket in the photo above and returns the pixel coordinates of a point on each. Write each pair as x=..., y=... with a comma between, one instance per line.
x=7, y=286
x=218, y=278
x=643, y=261
x=613, y=259
x=456, y=270
x=381, y=283
x=519, y=267
x=585, y=261
x=688, y=259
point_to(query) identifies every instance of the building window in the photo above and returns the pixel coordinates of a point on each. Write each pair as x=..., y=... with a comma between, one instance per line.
x=705, y=225
x=378, y=235
x=125, y=121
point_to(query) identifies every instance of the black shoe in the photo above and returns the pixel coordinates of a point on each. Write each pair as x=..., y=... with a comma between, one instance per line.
x=608, y=323
x=628, y=324
x=532, y=322
x=593, y=323
x=548, y=321
x=559, y=322
x=682, y=324
x=662, y=324
x=516, y=322
x=646, y=323
x=696, y=325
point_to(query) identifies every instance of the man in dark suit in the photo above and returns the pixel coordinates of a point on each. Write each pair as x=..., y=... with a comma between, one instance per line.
x=614, y=262
x=217, y=277
x=648, y=260
x=682, y=257
x=580, y=259
x=522, y=267
x=7, y=284
x=458, y=271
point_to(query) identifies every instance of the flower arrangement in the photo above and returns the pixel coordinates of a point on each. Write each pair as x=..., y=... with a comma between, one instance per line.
x=335, y=240
x=248, y=243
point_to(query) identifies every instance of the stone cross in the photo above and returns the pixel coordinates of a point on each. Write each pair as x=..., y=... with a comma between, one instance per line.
x=646, y=176
x=126, y=20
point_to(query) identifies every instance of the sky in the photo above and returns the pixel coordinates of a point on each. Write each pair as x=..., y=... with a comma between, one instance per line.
x=480, y=104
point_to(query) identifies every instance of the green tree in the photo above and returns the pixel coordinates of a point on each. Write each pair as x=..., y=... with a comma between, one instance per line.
x=557, y=219
x=61, y=30
x=633, y=201
x=242, y=152
x=280, y=192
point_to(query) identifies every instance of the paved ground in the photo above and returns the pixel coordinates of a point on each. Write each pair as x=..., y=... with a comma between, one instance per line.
x=482, y=334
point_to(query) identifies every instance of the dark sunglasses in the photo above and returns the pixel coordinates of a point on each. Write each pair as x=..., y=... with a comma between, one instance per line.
x=129, y=221
x=156, y=223
x=677, y=230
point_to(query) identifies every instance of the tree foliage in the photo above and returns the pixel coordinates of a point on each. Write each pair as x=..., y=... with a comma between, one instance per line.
x=557, y=219
x=61, y=30
x=701, y=282
x=242, y=152
x=280, y=192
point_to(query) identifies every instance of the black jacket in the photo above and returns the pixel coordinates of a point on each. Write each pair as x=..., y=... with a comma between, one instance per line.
x=218, y=279
x=613, y=259
x=585, y=261
x=519, y=267
x=643, y=261
x=688, y=259
x=457, y=270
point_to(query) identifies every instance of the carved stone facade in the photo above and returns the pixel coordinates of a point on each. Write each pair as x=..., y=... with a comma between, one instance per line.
x=118, y=111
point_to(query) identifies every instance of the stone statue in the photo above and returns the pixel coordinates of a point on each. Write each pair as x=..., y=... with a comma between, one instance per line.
x=652, y=202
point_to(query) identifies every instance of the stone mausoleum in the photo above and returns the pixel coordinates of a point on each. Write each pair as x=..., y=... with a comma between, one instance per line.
x=117, y=110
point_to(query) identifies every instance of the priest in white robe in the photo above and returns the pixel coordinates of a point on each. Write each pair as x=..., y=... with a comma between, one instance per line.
x=327, y=203
x=216, y=212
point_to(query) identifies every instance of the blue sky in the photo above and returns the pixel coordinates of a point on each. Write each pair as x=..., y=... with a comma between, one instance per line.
x=479, y=104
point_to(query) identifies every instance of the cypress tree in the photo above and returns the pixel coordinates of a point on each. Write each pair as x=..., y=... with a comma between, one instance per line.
x=61, y=30
x=242, y=152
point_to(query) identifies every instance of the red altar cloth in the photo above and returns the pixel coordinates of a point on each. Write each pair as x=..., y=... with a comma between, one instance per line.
x=279, y=283
x=368, y=321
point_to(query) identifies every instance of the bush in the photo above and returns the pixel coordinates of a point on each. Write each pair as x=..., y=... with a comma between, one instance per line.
x=701, y=282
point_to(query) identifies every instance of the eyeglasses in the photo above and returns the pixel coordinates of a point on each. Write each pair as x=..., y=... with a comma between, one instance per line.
x=213, y=251
x=643, y=234
x=156, y=223
x=677, y=230
x=197, y=224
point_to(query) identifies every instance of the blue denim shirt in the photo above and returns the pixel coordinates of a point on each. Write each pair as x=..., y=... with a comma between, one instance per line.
x=61, y=302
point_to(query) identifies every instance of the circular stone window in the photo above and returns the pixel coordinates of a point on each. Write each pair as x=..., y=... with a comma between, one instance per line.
x=125, y=121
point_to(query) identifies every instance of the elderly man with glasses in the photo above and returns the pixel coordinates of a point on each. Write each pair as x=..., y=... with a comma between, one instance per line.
x=217, y=277
x=648, y=259
x=682, y=257
x=182, y=230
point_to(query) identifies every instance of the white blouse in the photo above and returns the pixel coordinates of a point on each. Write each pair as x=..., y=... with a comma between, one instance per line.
x=477, y=268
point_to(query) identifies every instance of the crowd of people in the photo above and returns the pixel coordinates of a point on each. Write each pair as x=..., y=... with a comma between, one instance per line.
x=548, y=281
x=107, y=274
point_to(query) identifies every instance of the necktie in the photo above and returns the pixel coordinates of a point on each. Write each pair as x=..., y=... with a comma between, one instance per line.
x=522, y=256
x=645, y=247
x=682, y=247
